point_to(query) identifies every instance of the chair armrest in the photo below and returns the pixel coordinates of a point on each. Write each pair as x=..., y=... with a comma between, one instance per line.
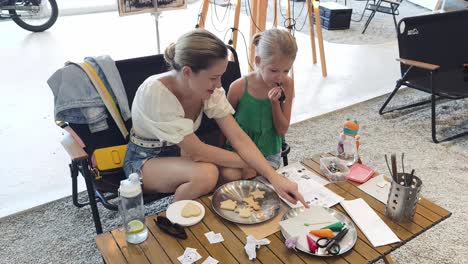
x=74, y=150
x=419, y=64
x=392, y=2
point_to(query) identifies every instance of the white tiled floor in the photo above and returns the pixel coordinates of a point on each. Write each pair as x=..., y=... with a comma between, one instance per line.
x=33, y=166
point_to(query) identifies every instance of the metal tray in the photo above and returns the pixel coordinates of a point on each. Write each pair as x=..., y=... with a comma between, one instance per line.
x=348, y=241
x=238, y=190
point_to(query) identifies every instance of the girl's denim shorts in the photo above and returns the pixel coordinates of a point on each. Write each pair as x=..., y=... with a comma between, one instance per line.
x=136, y=156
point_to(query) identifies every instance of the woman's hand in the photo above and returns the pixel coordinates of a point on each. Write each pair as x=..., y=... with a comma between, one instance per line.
x=288, y=190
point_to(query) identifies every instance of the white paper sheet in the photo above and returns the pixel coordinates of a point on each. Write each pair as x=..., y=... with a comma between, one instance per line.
x=374, y=228
x=313, y=193
x=377, y=187
x=296, y=171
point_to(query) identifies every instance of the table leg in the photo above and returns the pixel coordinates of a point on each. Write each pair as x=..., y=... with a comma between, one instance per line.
x=388, y=260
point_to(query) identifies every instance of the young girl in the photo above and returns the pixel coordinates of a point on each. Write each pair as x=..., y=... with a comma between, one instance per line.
x=168, y=109
x=256, y=97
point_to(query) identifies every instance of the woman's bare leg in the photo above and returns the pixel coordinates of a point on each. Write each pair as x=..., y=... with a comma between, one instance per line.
x=249, y=174
x=229, y=174
x=188, y=179
x=234, y=174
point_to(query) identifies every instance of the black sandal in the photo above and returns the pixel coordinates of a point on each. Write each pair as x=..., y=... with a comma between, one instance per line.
x=170, y=228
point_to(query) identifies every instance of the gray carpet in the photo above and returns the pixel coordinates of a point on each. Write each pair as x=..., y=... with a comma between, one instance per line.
x=380, y=30
x=60, y=233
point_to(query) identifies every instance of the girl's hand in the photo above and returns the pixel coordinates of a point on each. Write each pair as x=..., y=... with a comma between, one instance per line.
x=288, y=190
x=274, y=94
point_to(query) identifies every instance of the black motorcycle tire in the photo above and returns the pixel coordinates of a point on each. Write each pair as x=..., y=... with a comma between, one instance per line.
x=38, y=28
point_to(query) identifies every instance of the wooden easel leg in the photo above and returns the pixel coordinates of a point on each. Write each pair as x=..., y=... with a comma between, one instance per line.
x=201, y=23
x=262, y=14
x=388, y=260
x=288, y=16
x=311, y=32
x=236, y=24
x=320, y=38
x=275, y=11
x=253, y=31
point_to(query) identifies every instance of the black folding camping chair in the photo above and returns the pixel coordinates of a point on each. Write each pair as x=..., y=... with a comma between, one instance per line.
x=434, y=59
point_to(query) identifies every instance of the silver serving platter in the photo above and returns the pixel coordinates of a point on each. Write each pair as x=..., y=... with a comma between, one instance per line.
x=348, y=241
x=238, y=190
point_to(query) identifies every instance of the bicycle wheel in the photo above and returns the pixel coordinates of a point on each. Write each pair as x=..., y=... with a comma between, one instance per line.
x=35, y=18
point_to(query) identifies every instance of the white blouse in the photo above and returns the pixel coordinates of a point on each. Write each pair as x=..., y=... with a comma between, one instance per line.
x=157, y=113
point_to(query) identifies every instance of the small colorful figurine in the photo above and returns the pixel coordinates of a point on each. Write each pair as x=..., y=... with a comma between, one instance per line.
x=349, y=141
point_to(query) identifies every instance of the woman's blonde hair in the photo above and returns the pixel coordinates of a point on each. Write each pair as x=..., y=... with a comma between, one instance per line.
x=197, y=49
x=273, y=43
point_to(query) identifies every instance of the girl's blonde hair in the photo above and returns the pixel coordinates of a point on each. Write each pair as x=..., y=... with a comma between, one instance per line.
x=273, y=43
x=197, y=49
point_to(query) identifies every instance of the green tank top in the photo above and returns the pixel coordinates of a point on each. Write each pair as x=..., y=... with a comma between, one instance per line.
x=255, y=117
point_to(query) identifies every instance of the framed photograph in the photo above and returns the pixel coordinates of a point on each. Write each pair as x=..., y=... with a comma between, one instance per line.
x=133, y=7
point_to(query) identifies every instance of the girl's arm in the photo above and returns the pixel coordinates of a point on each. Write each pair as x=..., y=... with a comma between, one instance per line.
x=282, y=111
x=254, y=158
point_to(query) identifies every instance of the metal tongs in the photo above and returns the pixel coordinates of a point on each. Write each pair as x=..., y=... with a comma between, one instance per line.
x=408, y=178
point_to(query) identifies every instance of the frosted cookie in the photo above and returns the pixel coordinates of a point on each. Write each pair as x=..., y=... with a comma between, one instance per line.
x=190, y=210
x=251, y=203
x=228, y=205
x=257, y=194
x=245, y=212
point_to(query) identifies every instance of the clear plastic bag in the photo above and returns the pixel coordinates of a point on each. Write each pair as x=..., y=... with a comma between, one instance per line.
x=334, y=169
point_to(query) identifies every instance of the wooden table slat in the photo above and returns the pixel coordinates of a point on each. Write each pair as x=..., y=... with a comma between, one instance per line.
x=433, y=207
x=354, y=257
x=365, y=250
x=218, y=250
x=109, y=249
x=152, y=249
x=215, y=224
x=193, y=241
x=133, y=253
x=171, y=246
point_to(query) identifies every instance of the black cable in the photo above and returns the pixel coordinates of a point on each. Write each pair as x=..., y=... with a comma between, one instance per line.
x=199, y=15
x=216, y=10
x=224, y=38
x=246, y=47
x=227, y=21
x=306, y=16
x=250, y=12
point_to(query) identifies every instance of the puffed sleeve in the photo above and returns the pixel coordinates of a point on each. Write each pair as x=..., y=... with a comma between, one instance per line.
x=217, y=106
x=156, y=113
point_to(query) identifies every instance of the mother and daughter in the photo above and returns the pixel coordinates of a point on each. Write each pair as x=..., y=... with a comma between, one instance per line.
x=168, y=109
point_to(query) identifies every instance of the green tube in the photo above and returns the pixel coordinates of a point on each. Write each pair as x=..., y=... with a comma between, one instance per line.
x=336, y=227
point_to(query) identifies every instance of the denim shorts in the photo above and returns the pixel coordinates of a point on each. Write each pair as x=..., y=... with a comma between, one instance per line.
x=274, y=160
x=136, y=156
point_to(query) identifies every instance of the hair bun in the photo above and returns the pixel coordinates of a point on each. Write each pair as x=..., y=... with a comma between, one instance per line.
x=169, y=54
x=256, y=38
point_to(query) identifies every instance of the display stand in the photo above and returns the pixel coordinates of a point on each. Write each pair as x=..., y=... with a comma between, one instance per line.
x=156, y=20
x=258, y=22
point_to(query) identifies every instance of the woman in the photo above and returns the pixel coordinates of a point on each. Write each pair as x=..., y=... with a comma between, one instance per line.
x=166, y=112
